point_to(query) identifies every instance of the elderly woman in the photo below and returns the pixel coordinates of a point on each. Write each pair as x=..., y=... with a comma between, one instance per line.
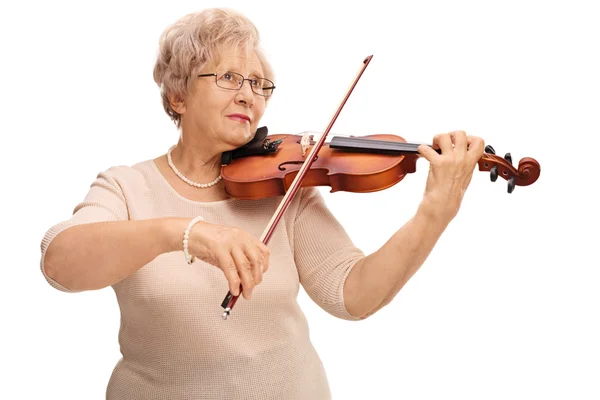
x=167, y=238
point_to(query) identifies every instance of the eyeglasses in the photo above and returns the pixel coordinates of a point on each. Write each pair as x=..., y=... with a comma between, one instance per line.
x=234, y=81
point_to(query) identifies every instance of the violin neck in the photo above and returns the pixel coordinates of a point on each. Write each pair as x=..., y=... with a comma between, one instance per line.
x=363, y=145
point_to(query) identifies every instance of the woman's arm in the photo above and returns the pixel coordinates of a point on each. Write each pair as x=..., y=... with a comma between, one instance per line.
x=95, y=255
x=377, y=278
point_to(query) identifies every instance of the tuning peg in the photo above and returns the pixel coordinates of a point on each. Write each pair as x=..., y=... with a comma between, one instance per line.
x=489, y=149
x=511, y=184
x=508, y=158
x=494, y=173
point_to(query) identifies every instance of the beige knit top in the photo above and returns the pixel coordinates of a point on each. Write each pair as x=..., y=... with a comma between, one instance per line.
x=174, y=342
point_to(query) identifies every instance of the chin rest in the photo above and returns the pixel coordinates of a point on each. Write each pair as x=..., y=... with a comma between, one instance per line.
x=259, y=145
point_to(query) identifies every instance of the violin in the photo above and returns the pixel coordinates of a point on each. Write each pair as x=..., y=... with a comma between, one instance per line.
x=278, y=165
x=351, y=164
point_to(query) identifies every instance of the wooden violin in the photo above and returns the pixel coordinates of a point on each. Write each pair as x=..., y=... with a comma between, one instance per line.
x=277, y=165
x=351, y=164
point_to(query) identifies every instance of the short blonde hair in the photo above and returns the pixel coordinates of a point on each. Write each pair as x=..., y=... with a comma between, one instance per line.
x=193, y=41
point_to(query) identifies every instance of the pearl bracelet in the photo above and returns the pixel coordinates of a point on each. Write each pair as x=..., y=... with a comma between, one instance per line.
x=186, y=235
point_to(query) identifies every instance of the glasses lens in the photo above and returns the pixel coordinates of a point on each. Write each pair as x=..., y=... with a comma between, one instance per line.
x=229, y=80
x=263, y=86
x=234, y=81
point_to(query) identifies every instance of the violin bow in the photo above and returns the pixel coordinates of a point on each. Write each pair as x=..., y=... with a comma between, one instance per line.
x=230, y=299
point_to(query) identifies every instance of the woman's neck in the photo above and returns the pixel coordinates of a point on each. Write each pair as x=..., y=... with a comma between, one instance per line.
x=196, y=161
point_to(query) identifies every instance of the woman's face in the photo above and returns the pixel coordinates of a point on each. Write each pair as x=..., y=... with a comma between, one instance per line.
x=226, y=118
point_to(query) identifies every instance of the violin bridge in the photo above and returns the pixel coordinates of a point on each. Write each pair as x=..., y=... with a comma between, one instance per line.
x=305, y=142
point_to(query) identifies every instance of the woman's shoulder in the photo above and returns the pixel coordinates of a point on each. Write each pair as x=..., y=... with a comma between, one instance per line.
x=131, y=171
x=136, y=175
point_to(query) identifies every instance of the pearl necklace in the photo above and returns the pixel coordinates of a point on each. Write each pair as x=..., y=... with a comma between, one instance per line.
x=186, y=180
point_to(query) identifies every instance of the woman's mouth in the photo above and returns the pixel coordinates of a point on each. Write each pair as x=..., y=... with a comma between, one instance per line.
x=239, y=117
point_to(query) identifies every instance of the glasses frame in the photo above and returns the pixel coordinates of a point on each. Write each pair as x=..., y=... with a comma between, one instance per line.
x=244, y=79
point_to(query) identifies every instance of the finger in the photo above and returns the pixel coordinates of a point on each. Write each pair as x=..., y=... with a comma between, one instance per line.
x=459, y=138
x=266, y=255
x=244, y=270
x=444, y=142
x=427, y=152
x=228, y=267
x=475, y=144
x=476, y=147
x=255, y=257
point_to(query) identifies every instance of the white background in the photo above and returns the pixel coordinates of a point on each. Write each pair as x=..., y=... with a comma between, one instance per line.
x=507, y=305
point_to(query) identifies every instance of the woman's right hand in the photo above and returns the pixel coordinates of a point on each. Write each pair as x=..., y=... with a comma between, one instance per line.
x=242, y=257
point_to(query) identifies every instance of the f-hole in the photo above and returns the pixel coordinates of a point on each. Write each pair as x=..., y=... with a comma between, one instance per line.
x=282, y=168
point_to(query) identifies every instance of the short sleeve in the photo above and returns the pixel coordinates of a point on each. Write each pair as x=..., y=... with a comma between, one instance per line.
x=104, y=201
x=324, y=254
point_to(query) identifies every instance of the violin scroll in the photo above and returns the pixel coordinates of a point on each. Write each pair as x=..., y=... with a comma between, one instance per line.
x=527, y=172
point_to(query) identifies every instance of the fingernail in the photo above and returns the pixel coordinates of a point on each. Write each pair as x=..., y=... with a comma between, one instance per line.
x=262, y=268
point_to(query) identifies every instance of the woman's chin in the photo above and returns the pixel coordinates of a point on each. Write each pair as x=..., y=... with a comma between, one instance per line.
x=240, y=137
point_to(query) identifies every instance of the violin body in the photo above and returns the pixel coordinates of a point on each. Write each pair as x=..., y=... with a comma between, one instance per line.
x=350, y=164
x=260, y=176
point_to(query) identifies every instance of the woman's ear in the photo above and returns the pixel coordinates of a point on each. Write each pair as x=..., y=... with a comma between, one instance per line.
x=177, y=103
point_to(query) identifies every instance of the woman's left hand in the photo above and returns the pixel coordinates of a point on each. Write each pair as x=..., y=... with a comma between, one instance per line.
x=450, y=172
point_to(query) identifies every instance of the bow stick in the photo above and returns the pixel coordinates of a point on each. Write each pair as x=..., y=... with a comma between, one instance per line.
x=230, y=299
